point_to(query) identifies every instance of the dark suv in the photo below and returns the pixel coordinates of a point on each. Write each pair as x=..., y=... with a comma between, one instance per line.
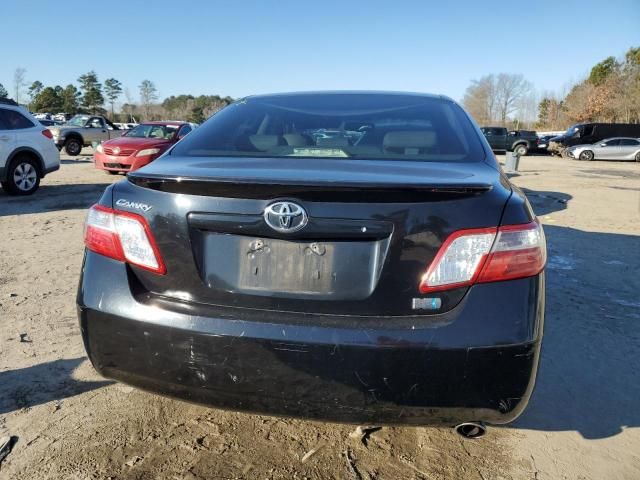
x=520, y=142
x=354, y=257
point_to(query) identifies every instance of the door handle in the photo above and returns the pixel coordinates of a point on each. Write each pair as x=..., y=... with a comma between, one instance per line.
x=5, y=137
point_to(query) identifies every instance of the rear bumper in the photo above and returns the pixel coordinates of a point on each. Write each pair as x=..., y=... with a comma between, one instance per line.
x=50, y=169
x=364, y=375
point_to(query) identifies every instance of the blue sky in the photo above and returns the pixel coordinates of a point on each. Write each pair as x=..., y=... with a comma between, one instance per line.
x=245, y=47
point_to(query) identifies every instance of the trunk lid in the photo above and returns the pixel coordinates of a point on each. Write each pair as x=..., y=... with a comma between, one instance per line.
x=372, y=228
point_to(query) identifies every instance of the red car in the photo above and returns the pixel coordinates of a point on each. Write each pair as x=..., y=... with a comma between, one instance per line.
x=139, y=146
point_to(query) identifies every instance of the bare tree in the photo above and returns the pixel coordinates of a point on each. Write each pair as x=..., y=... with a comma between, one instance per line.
x=510, y=90
x=493, y=98
x=148, y=95
x=19, y=82
x=527, y=110
x=479, y=99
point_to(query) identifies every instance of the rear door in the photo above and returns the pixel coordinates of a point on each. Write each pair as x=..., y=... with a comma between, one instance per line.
x=7, y=138
x=497, y=137
x=608, y=150
x=629, y=147
x=96, y=131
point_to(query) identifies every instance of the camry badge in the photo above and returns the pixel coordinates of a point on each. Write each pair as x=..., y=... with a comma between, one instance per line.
x=285, y=217
x=123, y=202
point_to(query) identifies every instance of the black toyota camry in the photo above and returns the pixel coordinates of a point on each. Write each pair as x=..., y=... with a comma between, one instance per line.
x=344, y=256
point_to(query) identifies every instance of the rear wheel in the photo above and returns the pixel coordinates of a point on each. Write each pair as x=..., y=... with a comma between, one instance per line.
x=587, y=155
x=73, y=146
x=521, y=150
x=23, y=176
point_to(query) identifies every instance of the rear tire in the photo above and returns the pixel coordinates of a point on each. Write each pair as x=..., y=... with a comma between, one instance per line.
x=521, y=150
x=23, y=176
x=586, y=156
x=73, y=146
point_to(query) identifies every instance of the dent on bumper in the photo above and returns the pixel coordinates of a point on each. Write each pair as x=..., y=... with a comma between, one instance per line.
x=307, y=371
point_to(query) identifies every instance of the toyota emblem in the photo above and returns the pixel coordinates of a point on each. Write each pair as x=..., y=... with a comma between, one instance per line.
x=285, y=217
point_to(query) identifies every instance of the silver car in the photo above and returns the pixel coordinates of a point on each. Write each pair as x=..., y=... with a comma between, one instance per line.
x=618, y=148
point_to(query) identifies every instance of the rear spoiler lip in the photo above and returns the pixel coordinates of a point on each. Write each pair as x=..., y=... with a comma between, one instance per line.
x=329, y=192
x=156, y=181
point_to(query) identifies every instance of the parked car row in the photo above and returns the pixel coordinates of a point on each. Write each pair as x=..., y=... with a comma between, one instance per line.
x=125, y=126
x=29, y=151
x=622, y=148
x=589, y=141
x=49, y=123
x=58, y=117
x=591, y=134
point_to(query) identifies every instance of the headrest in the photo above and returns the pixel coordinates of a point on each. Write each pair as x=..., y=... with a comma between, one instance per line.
x=265, y=142
x=295, y=140
x=337, y=142
x=410, y=139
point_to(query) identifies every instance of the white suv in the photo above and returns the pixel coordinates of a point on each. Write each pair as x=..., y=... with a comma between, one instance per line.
x=27, y=151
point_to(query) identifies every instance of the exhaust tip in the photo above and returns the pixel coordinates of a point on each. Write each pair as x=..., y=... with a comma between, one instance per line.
x=471, y=429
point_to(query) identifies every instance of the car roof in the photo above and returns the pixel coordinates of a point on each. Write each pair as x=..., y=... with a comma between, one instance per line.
x=164, y=122
x=348, y=92
x=8, y=101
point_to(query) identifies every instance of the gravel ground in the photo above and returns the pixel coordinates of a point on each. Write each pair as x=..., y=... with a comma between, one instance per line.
x=583, y=421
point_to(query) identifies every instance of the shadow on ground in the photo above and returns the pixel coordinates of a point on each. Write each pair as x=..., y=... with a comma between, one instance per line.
x=76, y=161
x=545, y=203
x=52, y=197
x=42, y=383
x=588, y=377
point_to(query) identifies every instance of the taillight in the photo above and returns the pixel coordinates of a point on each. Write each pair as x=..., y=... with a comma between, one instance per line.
x=47, y=133
x=487, y=255
x=123, y=236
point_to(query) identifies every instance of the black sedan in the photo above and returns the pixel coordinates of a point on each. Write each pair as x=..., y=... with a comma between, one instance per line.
x=385, y=273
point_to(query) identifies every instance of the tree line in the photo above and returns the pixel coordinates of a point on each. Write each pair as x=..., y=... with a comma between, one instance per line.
x=91, y=96
x=610, y=93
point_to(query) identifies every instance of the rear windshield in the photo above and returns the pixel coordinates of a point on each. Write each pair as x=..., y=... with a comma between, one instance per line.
x=367, y=126
x=78, y=121
x=165, y=132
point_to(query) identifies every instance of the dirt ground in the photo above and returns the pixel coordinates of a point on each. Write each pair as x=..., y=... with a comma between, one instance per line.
x=582, y=423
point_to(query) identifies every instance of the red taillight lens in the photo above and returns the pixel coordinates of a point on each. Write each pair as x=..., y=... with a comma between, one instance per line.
x=519, y=251
x=47, y=133
x=123, y=236
x=487, y=255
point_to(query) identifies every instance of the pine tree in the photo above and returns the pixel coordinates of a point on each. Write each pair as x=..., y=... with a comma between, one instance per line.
x=92, y=99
